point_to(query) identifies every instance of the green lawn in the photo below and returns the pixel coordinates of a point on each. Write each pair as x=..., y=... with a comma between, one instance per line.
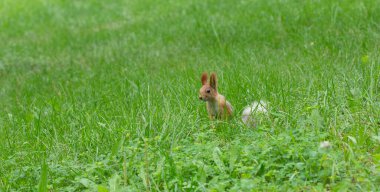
x=103, y=95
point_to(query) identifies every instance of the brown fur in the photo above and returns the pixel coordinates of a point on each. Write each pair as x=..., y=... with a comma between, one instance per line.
x=217, y=105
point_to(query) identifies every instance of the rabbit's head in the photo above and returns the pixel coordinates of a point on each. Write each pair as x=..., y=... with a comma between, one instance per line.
x=208, y=90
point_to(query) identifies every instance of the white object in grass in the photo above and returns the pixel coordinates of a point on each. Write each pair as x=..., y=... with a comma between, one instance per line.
x=251, y=110
x=324, y=145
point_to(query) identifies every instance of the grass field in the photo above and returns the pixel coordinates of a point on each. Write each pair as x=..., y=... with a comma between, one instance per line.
x=103, y=96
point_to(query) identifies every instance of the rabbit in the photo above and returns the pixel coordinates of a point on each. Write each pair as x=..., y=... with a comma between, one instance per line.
x=217, y=105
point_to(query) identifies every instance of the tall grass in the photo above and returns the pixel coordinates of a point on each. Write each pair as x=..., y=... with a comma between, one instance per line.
x=106, y=94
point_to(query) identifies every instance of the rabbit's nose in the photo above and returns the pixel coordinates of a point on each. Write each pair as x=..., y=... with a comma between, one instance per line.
x=200, y=97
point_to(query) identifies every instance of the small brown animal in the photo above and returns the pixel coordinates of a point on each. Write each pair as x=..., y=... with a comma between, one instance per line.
x=217, y=105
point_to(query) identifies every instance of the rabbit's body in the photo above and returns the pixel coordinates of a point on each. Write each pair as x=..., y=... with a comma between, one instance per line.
x=219, y=107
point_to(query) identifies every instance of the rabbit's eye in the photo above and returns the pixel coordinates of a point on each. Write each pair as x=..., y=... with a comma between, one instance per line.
x=208, y=90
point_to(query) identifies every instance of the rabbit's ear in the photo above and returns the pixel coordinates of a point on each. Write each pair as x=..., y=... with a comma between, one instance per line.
x=213, y=80
x=204, y=78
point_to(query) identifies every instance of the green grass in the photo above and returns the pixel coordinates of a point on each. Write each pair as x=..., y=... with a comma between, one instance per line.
x=103, y=96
